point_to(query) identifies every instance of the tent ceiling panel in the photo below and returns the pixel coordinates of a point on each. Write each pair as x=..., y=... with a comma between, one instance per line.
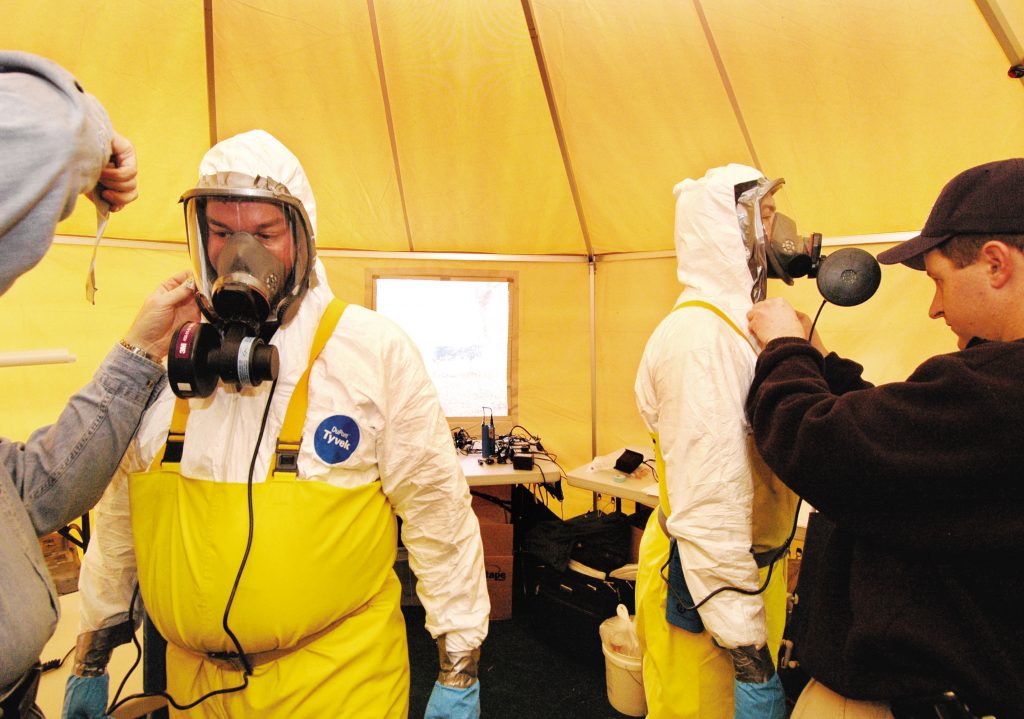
x=1006, y=19
x=1012, y=12
x=307, y=73
x=425, y=124
x=476, y=146
x=866, y=108
x=642, y=105
x=146, y=63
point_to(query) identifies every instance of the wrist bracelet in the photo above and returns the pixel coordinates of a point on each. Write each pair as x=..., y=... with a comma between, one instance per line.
x=137, y=350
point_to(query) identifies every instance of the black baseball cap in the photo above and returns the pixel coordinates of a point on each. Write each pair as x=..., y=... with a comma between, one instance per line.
x=984, y=200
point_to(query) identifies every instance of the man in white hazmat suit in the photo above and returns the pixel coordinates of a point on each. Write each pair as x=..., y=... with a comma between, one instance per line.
x=720, y=507
x=311, y=625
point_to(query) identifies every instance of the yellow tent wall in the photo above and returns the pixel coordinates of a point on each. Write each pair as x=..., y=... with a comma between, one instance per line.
x=548, y=126
x=528, y=127
x=890, y=334
x=46, y=308
x=145, y=82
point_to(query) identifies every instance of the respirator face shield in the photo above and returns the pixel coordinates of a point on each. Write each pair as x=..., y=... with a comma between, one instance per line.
x=251, y=249
x=754, y=205
x=774, y=249
x=252, y=252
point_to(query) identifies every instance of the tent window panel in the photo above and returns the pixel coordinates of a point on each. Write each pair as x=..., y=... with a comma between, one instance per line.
x=462, y=326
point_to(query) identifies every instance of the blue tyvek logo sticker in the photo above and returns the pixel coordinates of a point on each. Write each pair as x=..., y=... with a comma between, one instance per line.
x=336, y=439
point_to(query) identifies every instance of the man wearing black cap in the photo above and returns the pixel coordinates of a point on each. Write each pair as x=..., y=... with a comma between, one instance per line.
x=915, y=606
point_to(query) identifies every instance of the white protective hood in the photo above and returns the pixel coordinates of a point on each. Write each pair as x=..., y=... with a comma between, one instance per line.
x=711, y=257
x=258, y=153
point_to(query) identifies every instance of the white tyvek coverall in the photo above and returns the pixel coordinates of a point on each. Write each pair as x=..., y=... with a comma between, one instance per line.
x=690, y=389
x=368, y=371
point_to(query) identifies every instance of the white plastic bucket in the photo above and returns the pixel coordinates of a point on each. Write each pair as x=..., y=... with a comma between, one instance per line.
x=624, y=676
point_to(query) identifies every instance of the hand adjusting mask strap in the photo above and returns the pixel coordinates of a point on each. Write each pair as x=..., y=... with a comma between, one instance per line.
x=252, y=252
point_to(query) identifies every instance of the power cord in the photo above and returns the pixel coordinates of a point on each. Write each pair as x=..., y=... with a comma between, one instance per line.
x=776, y=556
x=51, y=664
x=239, y=650
x=138, y=649
x=815, y=322
x=79, y=541
x=552, y=487
x=653, y=466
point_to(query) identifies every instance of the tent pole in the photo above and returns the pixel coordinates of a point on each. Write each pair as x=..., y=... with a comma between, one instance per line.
x=211, y=77
x=1000, y=26
x=593, y=362
x=726, y=83
x=556, y=123
x=386, y=99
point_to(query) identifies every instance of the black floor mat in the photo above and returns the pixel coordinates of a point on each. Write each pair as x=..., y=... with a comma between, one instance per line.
x=525, y=672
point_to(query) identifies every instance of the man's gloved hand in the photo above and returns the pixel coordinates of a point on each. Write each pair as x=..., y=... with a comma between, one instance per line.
x=451, y=703
x=765, y=700
x=86, y=697
x=757, y=689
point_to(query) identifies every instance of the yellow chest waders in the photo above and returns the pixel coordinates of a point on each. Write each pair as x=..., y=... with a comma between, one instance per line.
x=685, y=675
x=318, y=595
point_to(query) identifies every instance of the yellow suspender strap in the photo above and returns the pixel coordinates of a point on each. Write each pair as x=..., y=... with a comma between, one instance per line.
x=287, y=454
x=712, y=308
x=170, y=453
x=291, y=432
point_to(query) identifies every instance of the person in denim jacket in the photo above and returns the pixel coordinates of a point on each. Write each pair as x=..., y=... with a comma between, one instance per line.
x=57, y=143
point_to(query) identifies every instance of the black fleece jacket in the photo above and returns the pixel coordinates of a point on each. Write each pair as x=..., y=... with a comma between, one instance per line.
x=919, y=581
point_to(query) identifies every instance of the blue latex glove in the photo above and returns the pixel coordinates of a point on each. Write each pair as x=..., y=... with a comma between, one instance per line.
x=86, y=697
x=448, y=703
x=760, y=701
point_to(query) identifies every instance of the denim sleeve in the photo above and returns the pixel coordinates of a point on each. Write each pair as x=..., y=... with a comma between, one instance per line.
x=62, y=470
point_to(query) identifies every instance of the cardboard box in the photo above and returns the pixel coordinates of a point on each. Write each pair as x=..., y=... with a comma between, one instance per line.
x=62, y=560
x=496, y=535
x=500, y=491
x=499, y=585
x=489, y=512
x=497, y=539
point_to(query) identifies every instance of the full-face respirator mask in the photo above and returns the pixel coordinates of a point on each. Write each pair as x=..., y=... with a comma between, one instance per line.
x=252, y=251
x=847, y=277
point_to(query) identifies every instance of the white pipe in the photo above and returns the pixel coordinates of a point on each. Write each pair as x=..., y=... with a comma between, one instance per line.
x=30, y=357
